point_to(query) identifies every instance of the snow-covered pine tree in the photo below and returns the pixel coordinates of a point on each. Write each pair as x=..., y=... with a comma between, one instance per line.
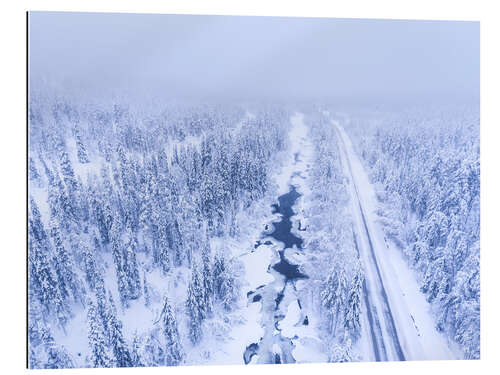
x=121, y=352
x=67, y=170
x=64, y=267
x=195, y=305
x=223, y=282
x=33, y=174
x=102, y=215
x=219, y=270
x=42, y=278
x=162, y=161
x=152, y=353
x=147, y=292
x=37, y=229
x=174, y=353
x=163, y=247
x=176, y=242
x=334, y=296
x=435, y=274
x=207, y=278
x=131, y=269
x=48, y=172
x=135, y=353
x=36, y=320
x=58, y=357
x=61, y=206
x=341, y=352
x=34, y=361
x=353, y=304
x=465, y=317
x=106, y=185
x=221, y=185
x=207, y=197
x=118, y=259
x=99, y=356
x=101, y=303
x=91, y=271
x=81, y=150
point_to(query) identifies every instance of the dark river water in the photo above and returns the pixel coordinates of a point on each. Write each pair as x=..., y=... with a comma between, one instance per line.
x=283, y=233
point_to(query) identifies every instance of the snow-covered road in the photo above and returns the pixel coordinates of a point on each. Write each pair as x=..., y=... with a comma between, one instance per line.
x=397, y=322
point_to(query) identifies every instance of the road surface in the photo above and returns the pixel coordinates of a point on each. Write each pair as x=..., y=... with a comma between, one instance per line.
x=398, y=324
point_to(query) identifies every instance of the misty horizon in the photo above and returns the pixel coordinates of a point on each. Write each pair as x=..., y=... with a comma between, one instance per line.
x=248, y=58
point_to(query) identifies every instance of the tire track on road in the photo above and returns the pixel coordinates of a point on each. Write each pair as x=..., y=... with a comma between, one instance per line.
x=391, y=326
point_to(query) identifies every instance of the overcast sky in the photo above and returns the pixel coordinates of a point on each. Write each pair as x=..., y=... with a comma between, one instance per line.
x=253, y=57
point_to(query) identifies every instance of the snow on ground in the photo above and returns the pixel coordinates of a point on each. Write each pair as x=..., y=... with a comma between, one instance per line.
x=414, y=322
x=256, y=266
x=309, y=350
x=292, y=318
x=230, y=352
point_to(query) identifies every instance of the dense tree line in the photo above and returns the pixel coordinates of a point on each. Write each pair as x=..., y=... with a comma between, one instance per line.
x=122, y=183
x=336, y=268
x=426, y=164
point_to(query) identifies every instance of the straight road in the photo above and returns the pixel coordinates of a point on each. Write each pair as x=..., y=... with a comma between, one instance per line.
x=398, y=321
x=384, y=336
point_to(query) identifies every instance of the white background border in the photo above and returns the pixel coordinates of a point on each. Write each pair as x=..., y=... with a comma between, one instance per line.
x=13, y=155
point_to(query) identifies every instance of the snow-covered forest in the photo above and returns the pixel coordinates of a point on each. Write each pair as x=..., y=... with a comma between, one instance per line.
x=425, y=164
x=155, y=239
x=122, y=209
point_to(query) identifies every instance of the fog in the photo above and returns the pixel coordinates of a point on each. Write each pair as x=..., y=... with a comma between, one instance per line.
x=175, y=56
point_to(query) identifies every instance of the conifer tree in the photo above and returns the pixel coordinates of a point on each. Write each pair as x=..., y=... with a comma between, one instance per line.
x=195, y=305
x=152, y=353
x=353, y=308
x=64, y=267
x=58, y=357
x=99, y=356
x=334, y=296
x=42, y=277
x=207, y=278
x=37, y=229
x=91, y=271
x=67, y=170
x=223, y=282
x=131, y=270
x=118, y=260
x=48, y=172
x=121, y=352
x=81, y=150
x=34, y=361
x=135, y=354
x=33, y=171
x=173, y=349
x=102, y=305
x=341, y=352
x=147, y=292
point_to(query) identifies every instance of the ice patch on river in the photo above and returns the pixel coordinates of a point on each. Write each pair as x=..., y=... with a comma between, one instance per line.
x=256, y=265
x=292, y=318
